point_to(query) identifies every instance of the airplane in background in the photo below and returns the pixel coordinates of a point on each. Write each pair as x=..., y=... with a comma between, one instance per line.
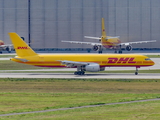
x=83, y=62
x=5, y=47
x=108, y=42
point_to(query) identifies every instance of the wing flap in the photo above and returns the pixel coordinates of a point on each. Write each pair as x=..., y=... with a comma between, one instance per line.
x=73, y=63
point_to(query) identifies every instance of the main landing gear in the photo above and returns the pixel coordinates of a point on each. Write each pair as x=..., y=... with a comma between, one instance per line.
x=79, y=71
x=100, y=50
x=119, y=49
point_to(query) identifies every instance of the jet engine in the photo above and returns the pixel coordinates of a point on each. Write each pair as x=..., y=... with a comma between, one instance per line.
x=92, y=67
x=8, y=49
x=129, y=47
x=95, y=48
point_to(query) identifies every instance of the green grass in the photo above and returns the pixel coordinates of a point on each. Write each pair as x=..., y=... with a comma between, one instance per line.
x=22, y=95
x=133, y=111
x=153, y=56
x=10, y=65
x=6, y=56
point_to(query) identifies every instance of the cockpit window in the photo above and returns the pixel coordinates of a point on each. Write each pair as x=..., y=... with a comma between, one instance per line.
x=147, y=59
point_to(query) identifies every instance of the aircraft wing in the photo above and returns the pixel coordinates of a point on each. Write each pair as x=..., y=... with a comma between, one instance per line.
x=78, y=42
x=73, y=63
x=128, y=43
x=8, y=45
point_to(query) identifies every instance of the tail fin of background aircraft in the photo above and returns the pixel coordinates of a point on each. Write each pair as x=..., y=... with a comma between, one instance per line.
x=103, y=29
x=1, y=42
x=22, y=49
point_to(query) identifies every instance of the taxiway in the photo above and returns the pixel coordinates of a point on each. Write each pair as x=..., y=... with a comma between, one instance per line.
x=90, y=75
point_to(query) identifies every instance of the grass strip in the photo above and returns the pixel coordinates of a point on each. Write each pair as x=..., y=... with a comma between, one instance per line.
x=133, y=111
x=21, y=95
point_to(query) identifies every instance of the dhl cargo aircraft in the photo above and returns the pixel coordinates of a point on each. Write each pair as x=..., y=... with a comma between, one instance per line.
x=5, y=47
x=83, y=62
x=108, y=42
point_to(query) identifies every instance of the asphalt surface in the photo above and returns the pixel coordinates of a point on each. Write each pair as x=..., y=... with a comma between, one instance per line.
x=90, y=75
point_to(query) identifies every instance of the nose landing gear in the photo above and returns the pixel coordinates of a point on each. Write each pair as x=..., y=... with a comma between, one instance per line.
x=136, y=73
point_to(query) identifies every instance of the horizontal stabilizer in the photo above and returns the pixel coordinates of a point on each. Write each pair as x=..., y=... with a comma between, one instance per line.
x=92, y=37
x=113, y=37
x=23, y=60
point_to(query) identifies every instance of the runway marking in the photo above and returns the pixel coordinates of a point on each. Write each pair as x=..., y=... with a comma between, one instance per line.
x=60, y=109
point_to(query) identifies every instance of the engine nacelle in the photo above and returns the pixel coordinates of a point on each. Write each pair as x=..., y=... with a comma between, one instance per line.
x=95, y=48
x=8, y=49
x=92, y=67
x=129, y=47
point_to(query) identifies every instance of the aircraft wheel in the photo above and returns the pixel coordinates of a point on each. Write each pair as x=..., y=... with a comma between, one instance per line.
x=120, y=51
x=79, y=73
x=82, y=73
x=136, y=73
x=75, y=73
x=100, y=52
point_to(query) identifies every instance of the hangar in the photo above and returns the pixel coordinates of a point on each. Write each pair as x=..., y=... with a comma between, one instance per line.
x=44, y=23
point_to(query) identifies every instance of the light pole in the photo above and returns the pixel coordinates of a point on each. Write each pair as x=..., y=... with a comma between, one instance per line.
x=29, y=22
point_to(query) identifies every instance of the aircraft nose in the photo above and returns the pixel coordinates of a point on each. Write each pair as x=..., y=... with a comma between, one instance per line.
x=152, y=62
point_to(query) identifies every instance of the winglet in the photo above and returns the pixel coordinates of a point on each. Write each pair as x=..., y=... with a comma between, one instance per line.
x=22, y=49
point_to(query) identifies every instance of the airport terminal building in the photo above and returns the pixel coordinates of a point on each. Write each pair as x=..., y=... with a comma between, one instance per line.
x=44, y=23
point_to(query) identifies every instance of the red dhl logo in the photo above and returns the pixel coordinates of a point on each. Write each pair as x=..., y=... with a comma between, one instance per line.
x=121, y=60
x=22, y=48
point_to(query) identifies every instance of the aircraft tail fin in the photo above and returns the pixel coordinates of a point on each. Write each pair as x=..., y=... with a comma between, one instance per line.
x=22, y=49
x=103, y=29
x=1, y=42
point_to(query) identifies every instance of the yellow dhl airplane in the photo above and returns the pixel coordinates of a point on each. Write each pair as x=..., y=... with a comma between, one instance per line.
x=108, y=42
x=83, y=62
x=5, y=47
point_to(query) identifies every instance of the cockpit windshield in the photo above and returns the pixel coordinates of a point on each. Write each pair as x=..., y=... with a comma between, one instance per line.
x=147, y=59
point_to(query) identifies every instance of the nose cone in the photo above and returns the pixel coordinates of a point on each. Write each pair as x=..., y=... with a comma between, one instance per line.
x=152, y=62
